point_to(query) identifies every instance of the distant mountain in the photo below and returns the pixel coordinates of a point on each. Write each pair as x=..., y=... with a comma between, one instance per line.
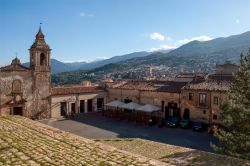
x=193, y=55
x=58, y=67
x=115, y=59
x=217, y=50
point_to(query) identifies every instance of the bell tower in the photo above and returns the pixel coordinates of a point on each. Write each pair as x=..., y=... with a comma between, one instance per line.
x=40, y=66
x=40, y=53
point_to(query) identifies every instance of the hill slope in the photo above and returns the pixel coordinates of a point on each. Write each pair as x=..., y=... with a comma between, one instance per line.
x=59, y=67
x=194, y=55
x=218, y=51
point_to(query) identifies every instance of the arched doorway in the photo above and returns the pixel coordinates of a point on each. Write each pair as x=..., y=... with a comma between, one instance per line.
x=186, y=114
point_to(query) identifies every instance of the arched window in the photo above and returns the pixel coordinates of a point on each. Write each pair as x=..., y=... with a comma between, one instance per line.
x=42, y=59
x=16, y=86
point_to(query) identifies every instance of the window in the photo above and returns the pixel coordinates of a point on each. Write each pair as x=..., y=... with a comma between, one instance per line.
x=216, y=100
x=204, y=111
x=215, y=117
x=16, y=86
x=202, y=101
x=191, y=96
x=42, y=59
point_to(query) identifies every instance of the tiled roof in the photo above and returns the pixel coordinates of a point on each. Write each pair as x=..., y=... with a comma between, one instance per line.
x=74, y=90
x=138, y=85
x=190, y=75
x=172, y=87
x=208, y=86
x=160, y=86
x=14, y=66
x=221, y=77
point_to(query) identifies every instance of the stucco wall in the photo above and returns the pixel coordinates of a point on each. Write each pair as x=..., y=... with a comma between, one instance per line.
x=57, y=99
x=143, y=97
x=200, y=112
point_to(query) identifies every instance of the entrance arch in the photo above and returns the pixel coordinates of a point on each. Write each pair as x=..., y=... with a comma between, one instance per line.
x=186, y=114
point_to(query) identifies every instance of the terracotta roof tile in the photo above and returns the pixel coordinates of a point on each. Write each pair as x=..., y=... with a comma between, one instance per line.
x=160, y=86
x=74, y=90
x=209, y=86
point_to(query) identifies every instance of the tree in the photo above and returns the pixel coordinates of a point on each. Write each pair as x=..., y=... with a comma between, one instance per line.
x=234, y=136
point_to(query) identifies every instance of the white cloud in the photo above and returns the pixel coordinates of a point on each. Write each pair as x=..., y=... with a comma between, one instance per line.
x=199, y=38
x=237, y=21
x=84, y=14
x=174, y=45
x=163, y=47
x=157, y=36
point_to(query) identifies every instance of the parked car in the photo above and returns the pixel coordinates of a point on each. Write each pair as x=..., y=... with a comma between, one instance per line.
x=172, y=122
x=185, y=123
x=199, y=126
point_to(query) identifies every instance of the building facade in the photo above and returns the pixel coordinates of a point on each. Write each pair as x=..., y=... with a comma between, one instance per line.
x=76, y=100
x=164, y=94
x=201, y=101
x=26, y=90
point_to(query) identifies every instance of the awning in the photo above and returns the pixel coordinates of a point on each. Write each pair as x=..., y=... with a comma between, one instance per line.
x=148, y=108
x=115, y=103
x=130, y=106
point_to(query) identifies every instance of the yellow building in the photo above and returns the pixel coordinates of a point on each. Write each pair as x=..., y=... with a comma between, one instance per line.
x=202, y=100
x=165, y=94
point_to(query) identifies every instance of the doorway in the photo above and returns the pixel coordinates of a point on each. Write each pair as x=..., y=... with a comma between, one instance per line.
x=90, y=105
x=100, y=104
x=172, y=110
x=63, y=108
x=82, y=106
x=73, y=108
x=18, y=111
x=186, y=114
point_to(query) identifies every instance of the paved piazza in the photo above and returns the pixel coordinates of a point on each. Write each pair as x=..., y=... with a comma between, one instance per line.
x=26, y=142
x=95, y=126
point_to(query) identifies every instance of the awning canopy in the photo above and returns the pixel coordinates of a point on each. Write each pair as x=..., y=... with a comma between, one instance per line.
x=115, y=103
x=148, y=108
x=130, y=106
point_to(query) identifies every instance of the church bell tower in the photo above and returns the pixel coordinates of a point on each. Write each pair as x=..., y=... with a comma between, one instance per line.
x=40, y=53
x=41, y=70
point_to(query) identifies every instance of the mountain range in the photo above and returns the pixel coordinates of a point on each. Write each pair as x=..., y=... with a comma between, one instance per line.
x=58, y=66
x=194, y=53
x=218, y=50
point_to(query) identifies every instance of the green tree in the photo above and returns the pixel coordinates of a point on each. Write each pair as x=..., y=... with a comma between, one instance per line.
x=234, y=136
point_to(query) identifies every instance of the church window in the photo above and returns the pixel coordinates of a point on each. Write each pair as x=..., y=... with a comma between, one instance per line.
x=16, y=86
x=42, y=59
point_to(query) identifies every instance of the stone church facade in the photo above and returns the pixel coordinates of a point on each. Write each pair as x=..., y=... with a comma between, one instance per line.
x=26, y=90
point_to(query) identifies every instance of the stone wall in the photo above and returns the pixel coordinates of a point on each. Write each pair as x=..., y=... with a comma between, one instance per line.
x=6, y=80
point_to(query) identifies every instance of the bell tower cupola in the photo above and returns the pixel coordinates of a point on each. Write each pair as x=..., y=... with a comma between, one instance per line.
x=40, y=53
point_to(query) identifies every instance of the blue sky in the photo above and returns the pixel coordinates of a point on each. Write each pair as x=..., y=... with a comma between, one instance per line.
x=85, y=30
